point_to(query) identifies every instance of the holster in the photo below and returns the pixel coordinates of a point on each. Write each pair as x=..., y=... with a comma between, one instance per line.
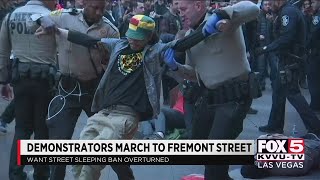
x=234, y=90
x=191, y=91
x=12, y=67
x=288, y=73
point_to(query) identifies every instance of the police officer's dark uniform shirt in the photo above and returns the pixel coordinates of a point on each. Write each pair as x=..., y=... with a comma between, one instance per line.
x=314, y=37
x=290, y=29
x=126, y=85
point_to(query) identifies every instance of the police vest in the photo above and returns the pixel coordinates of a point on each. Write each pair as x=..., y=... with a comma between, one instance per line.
x=25, y=45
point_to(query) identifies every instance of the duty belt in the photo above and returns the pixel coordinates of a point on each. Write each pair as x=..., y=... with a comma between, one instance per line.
x=22, y=70
x=227, y=93
x=234, y=90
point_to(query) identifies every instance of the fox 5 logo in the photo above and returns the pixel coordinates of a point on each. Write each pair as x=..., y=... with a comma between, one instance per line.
x=292, y=146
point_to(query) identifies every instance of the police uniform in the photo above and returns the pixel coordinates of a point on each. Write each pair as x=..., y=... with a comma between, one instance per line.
x=31, y=77
x=81, y=70
x=289, y=46
x=219, y=63
x=313, y=63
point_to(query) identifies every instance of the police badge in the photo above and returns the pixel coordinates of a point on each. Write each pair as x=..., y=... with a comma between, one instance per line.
x=103, y=32
x=285, y=20
x=315, y=20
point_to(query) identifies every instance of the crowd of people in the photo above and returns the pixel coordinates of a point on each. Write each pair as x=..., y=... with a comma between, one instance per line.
x=167, y=69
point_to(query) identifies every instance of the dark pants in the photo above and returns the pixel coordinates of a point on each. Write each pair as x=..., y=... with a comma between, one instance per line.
x=188, y=115
x=8, y=114
x=223, y=121
x=273, y=64
x=290, y=91
x=303, y=70
x=62, y=125
x=31, y=101
x=313, y=68
x=168, y=84
x=168, y=119
x=261, y=67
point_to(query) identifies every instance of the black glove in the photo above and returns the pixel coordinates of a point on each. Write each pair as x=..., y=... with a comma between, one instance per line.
x=260, y=50
x=48, y=24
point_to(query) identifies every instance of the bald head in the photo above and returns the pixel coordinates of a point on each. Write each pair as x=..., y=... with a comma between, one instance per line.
x=192, y=11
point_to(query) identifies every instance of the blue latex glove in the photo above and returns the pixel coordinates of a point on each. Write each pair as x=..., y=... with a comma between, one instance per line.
x=210, y=26
x=169, y=59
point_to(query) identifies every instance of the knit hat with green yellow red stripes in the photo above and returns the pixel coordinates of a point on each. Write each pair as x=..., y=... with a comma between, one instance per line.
x=140, y=27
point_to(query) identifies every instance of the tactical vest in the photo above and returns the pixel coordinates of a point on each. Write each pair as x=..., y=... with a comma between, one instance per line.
x=25, y=45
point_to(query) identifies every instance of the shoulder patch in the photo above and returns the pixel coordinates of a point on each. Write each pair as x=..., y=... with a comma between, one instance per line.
x=71, y=11
x=315, y=20
x=285, y=20
x=56, y=12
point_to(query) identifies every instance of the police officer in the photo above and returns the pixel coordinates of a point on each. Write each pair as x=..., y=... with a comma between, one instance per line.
x=81, y=70
x=220, y=65
x=289, y=45
x=313, y=65
x=35, y=59
x=6, y=91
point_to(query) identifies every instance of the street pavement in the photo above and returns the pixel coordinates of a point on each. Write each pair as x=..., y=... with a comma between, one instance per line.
x=175, y=172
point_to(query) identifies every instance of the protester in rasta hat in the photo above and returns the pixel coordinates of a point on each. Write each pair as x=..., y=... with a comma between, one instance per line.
x=140, y=27
x=122, y=97
x=129, y=90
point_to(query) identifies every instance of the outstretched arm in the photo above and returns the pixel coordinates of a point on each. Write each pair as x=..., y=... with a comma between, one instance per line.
x=81, y=38
x=187, y=42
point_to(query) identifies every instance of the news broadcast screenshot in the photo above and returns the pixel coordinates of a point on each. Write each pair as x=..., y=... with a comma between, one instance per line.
x=159, y=89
